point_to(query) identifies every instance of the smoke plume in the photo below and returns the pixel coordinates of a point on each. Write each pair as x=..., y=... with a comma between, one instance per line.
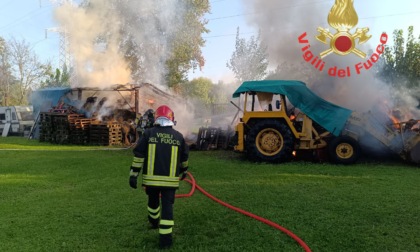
x=99, y=33
x=282, y=22
x=95, y=64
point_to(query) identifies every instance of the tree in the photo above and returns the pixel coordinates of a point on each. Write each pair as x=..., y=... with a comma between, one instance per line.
x=249, y=60
x=400, y=65
x=200, y=89
x=207, y=97
x=6, y=77
x=187, y=43
x=294, y=71
x=163, y=40
x=57, y=79
x=141, y=41
x=26, y=68
x=221, y=92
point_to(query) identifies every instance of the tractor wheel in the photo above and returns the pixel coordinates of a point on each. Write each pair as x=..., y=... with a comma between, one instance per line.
x=344, y=150
x=269, y=141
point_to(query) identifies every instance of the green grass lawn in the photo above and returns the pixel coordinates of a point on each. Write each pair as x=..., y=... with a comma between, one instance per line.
x=77, y=198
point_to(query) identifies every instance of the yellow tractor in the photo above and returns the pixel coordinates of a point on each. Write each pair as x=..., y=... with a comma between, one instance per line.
x=282, y=118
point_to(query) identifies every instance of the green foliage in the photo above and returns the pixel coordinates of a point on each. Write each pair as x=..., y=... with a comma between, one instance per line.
x=208, y=98
x=187, y=43
x=78, y=200
x=294, y=71
x=57, y=79
x=137, y=66
x=21, y=143
x=401, y=65
x=173, y=49
x=249, y=60
x=221, y=93
x=199, y=88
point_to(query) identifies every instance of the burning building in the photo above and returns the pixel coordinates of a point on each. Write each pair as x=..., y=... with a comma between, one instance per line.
x=95, y=116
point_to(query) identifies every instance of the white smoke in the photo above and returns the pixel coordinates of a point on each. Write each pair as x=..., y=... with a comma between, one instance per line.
x=95, y=29
x=282, y=22
x=153, y=26
x=95, y=65
x=98, y=30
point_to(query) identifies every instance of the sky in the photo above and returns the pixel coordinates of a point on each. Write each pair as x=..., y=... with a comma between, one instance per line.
x=32, y=20
x=28, y=20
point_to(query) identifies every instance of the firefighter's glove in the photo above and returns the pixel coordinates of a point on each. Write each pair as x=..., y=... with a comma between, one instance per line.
x=134, y=173
x=183, y=173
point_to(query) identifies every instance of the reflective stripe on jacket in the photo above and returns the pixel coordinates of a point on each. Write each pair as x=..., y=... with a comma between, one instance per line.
x=164, y=152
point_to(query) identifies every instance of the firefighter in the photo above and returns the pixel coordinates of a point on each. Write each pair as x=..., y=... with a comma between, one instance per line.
x=162, y=155
x=137, y=123
x=148, y=119
x=145, y=121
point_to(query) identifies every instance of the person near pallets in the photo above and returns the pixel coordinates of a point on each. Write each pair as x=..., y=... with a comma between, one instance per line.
x=162, y=156
x=144, y=121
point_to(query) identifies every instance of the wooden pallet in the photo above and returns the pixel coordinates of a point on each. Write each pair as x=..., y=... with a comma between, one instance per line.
x=107, y=133
x=73, y=128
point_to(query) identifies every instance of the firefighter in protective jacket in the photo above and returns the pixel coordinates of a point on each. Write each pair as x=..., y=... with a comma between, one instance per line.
x=162, y=156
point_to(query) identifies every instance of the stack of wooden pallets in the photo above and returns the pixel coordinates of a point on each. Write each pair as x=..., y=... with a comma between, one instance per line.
x=65, y=128
x=79, y=131
x=45, y=129
x=105, y=133
x=54, y=127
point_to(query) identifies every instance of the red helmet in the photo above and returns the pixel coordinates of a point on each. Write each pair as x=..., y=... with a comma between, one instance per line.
x=164, y=111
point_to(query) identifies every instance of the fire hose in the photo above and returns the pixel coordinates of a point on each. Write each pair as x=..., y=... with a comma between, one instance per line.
x=263, y=220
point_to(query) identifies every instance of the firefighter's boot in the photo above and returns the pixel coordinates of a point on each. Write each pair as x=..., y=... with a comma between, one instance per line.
x=154, y=223
x=165, y=241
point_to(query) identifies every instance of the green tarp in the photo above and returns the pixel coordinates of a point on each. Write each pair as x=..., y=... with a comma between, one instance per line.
x=330, y=116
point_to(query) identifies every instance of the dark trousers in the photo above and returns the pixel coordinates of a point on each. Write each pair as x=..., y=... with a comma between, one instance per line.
x=160, y=207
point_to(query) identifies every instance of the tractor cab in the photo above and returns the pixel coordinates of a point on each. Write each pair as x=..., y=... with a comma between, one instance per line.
x=280, y=117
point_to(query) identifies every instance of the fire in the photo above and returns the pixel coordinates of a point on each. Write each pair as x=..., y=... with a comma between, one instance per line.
x=342, y=15
x=404, y=120
x=395, y=121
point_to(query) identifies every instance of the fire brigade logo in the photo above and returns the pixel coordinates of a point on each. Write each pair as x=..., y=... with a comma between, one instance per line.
x=343, y=18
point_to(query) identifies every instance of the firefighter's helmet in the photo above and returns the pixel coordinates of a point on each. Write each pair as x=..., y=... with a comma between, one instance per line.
x=149, y=113
x=164, y=116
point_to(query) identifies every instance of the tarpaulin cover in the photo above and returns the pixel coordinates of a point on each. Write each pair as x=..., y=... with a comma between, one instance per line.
x=330, y=116
x=45, y=99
